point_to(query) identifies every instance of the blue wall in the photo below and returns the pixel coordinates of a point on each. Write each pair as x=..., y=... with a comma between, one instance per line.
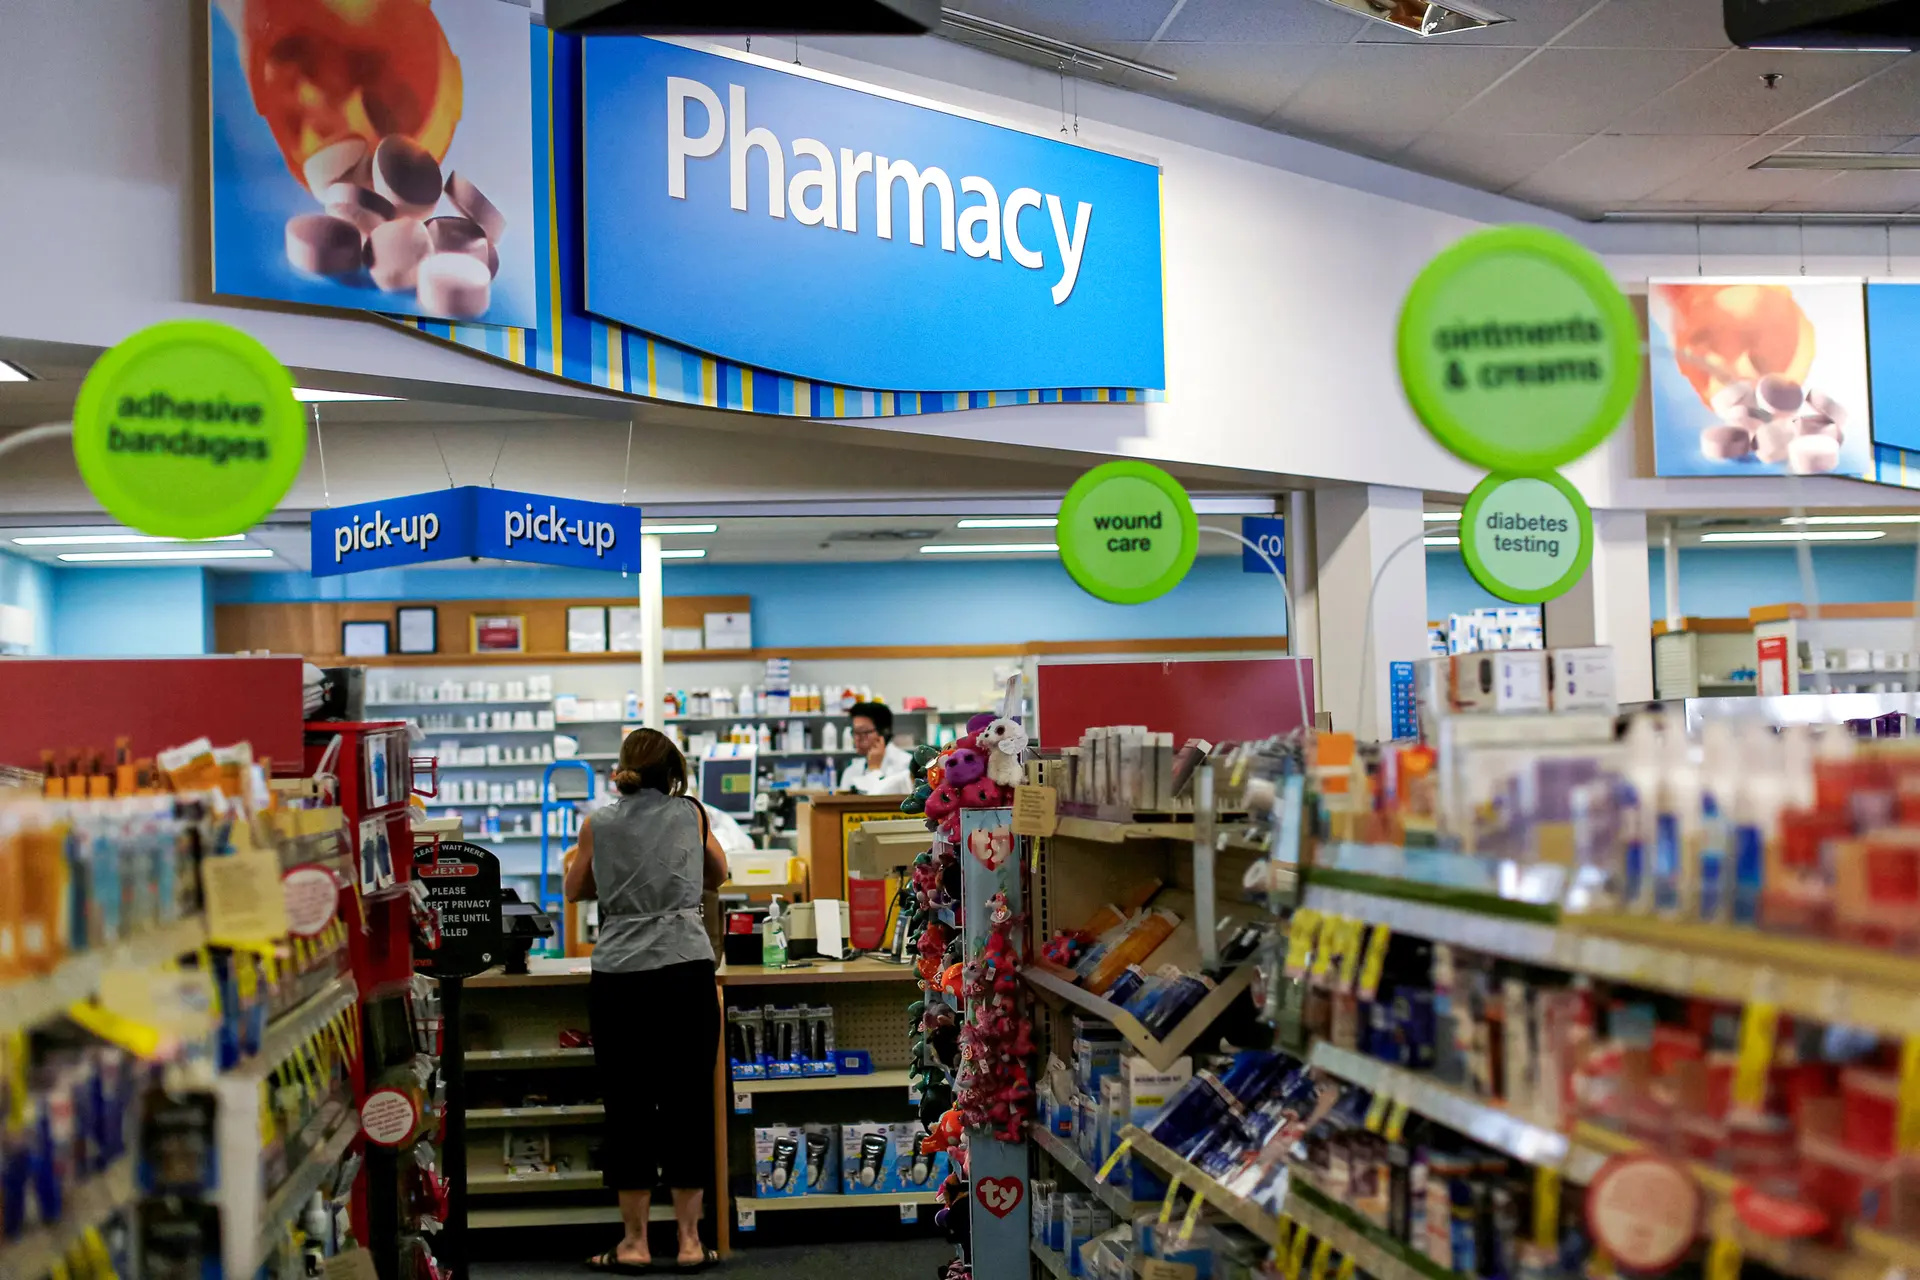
x=127, y=612
x=1725, y=582
x=923, y=601
x=29, y=585
x=1451, y=589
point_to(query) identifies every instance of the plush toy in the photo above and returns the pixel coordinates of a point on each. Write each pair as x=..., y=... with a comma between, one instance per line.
x=1003, y=742
x=980, y=720
x=917, y=801
x=945, y=1135
x=942, y=802
x=984, y=793
x=964, y=765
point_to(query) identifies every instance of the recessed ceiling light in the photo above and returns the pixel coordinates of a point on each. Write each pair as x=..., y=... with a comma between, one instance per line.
x=1424, y=17
x=1444, y=517
x=1443, y=542
x=1262, y=506
x=109, y=539
x=1835, y=535
x=1841, y=161
x=990, y=549
x=679, y=528
x=1010, y=522
x=10, y=372
x=231, y=553
x=683, y=553
x=1851, y=520
x=319, y=395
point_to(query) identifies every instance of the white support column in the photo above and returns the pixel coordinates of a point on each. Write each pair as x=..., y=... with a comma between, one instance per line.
x=1364, y=534
x=1670, y=562
x=653, y=646
x=1612, y=604
x=1303, y=583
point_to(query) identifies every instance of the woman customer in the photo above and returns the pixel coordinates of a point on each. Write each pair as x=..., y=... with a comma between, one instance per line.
x=654, y=1014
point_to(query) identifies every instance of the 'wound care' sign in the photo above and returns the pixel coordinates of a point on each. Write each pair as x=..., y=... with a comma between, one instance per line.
x=498, y=524
x=833, y=232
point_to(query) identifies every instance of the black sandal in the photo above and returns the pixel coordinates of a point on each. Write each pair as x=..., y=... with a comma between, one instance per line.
x=712, y=1259
x=609, y=1264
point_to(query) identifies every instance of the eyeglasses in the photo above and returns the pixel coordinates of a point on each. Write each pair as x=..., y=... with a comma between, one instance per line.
x=865, y=733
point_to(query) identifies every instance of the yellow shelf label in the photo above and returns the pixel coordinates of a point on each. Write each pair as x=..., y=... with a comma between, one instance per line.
x=1723, y=1259
x=1318, y=1270
x=1302, y=932
x=1345, y=1270
x=1350, y=948
x=1297, y=1255
x=1192, y=1220
x=1909, y=1123
x=1166, y=1206
x=1377, y=1112
x=1396, y=1121
x=1282, y=1236
x=1546, y=1208
x=1330, y=931
x=1757, y=1029
x=1376, y=961
x=1126, y=1145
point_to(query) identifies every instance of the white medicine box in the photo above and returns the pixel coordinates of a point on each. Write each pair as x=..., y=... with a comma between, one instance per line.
x=1582, y=679
x=1501, y=680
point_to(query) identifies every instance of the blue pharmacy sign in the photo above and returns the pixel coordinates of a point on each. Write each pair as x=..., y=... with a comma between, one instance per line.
x=499, y=524
x=871, y=241
x=1269, y=533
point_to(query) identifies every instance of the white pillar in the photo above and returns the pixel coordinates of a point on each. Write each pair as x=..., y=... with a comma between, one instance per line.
x=1612, y=603
x=1363, y=535
x=1670, y=561
x=1303, y=583
x=653, y=647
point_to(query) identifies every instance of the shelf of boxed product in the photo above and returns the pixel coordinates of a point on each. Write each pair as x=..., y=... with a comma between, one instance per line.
x=1053, y=1260
x=1373, y=1251
x=1264, y=1225
x=36, y=1251
x=770, y=1204
x=1103, y=831
x=291, y=1197
x=1068, y=1157
x=1822, y=981
x=1057, y=983
x=463, y=702
x=526, y=1059
x=509, y=1117
x=809, y=1084
x=31, y=1001
x=298, y=1025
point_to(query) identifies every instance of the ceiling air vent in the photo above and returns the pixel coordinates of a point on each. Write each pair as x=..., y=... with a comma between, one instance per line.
x=1425, y=17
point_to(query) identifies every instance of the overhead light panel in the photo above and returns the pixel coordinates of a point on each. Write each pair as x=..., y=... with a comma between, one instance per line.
x=230, y=553
x=320, y=395
x=109, y=539
x=1444, y=517
x=664, y=529
x=10, y=372
x=1261, y=506
x=1063, y=51
x=1832, y=535
x=1442, y=542
x=1839, y=161
x=1009, y=522
x=683, y=553
x=1424, y=17
x=990, y=548
x=1851, y=520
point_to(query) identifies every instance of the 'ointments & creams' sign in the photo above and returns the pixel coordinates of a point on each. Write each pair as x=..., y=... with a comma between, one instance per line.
x=874, y=241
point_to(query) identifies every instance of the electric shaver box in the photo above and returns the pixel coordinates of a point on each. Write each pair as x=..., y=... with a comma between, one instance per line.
x=780, y=1162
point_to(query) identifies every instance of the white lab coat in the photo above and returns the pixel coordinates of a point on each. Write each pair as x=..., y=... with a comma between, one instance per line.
x=894, y=777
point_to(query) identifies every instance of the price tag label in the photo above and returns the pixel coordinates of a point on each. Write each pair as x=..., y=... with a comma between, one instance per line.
x=1723, y=1259
x=1166, y=1206
x=1376, y=961
x=1352, y=936
x=1297, y=1254
x=1546, y=1207
x=743, y=1216
x=909, y=1213
x=1318, y=1269
x=1034, y=810
x=1282, y=1236
x=1758, y=1026
x=742, y=1102
x=1909, y=1121
x=1302, y=932
x=1345, y=1270
x=1326, y=943
x=1377, y=1112
x=1396, y=1123
x=1192, y=1220
x=1126, y=1144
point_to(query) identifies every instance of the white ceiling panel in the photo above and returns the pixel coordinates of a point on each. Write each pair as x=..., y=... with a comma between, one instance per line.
x=1491, y=161
x=1579, y=90
x=1885, y=191
x=1289, y=22
x=1368, y=86
x=1730, y=95
x=1650, y=24
x=1612, y=171
x=1851, y=142
x=1884, y=104
x=1081, y=21
x=1244, y=81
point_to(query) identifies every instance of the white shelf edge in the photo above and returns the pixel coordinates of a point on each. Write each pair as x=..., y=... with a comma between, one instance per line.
x=289, y=1199
x=1068, y=1158
x=773, y=1204
x=1053, y=1260
x=509, y=1059
x=500, y=1184
x=893, y=1079
x=533, y=1117
x=27, y=1002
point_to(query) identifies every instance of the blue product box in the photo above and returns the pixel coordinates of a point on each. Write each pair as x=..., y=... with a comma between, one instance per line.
x=779, y=1161
x=853, y=1062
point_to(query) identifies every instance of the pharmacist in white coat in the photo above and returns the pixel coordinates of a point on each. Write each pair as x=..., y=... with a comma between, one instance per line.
x=879, y=768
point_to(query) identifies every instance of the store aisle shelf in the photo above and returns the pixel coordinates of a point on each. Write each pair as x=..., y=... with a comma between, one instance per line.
x=287, y=1202
x=1104, y=832
x=809, y=1084
x=90, y=1204
x=865, y=969
x=773, y=1204
x=527, y=1059
x=533, y=1117
x=1248, y=1214
x=31, y=1001
x=1053, y=1260
x=292, y=1029
x=558, y=1216
x=1374, y=1251
x=1821, y=981
x=462, y=702
x=501, y=1184
x=1057, y=983
x=1068, y=1158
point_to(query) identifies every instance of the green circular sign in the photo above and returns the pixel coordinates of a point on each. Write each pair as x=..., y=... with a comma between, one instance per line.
x=1527, y=539
x=1517, y=350
x=188, y=429
x=1127, y=532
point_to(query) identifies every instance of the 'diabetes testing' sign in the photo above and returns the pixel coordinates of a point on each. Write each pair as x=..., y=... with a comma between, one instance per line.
x=829, y=232
x=498, y=524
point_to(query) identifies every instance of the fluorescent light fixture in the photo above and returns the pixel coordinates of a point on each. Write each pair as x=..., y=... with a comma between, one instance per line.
x=319, y=395
x=1851, y=520
x=10, y=372
x=1839, y=161
x=1834, y=535
x=1442, y=542
x=1444, y=517
x=110, y=539
x=683, y=553
x=229, y=553
x=1261, y=506
x=1074, y=55
x=679, y=528
x=1010, y=522
x=1424, y=17
x=991, y=549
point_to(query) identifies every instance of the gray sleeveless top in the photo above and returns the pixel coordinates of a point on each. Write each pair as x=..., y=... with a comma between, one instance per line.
x=647, y=862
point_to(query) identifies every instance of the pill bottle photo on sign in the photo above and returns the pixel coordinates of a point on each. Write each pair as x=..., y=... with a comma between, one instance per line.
x=374, y=154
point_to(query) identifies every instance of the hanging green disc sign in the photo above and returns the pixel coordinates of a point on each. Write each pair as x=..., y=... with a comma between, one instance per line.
x=188, y=429
x=1517, y=350
x=1527, y=539
x=1127, y=532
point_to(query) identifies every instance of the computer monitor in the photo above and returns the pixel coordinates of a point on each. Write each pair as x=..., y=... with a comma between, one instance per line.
x=729, y=778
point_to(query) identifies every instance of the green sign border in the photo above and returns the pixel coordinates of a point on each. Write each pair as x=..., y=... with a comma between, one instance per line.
x=1460, y=437
x=1469, y=518
x=1082, y=573
x=150, y=511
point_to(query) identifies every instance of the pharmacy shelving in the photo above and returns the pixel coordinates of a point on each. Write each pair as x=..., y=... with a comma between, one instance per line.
x=291, y=1197
x=1057, y=984
x=1068, y=1157
x=559, y=1215
x=1053, y=1260
x=526, y=1059
x=1373, y=1251
x=773, y=1204
x=31, y=1001
x=899, y=1079
x=512, y=1117
x=499, y=1184
x=1253, y=1217
x=461, y=702
x=35, y=1252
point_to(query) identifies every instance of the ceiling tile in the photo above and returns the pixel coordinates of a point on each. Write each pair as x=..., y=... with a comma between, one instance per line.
x=1535, y=22
x=1651, y=24
x=1379, y=86
x=1882, y=105
x=1881, y=191
x=1264, y=21
x=1074, y=20
x=1730, y=96
x=1251, y=79
x=1493, y=161
x=1851, y=142
x=1578, y=90
x=1610, y=172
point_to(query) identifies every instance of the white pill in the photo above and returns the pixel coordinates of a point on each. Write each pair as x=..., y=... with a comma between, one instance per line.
x=323, y=245
x=395, y=251
x=467, y=199
x=363, y=208
x=1827, y=407
x=1809, y=455
x=1778, y=394
x=1726, y=444
x=407, y=174
x=456, y=285
x=463, y=235
x=1771, y=441
x=341, y=161
x=1735, y=395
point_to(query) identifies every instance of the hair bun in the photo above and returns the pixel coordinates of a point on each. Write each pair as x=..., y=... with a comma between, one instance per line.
x=626, y=780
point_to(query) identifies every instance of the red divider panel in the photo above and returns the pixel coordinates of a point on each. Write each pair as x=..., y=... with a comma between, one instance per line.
x=69, y=704
x=1225, y=700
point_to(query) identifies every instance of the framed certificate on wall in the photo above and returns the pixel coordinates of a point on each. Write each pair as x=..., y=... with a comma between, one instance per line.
x=586, y=629
x=364, y=639
x=419, y=628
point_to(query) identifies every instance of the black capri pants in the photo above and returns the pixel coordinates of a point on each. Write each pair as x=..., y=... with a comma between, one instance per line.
x=655, y=1035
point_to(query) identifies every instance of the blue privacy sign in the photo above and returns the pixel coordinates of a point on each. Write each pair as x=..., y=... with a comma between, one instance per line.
x=1269, y=533
x=837, y=234
x=499, y=524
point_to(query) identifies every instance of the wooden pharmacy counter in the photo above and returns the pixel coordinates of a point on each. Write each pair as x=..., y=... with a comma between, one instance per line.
x=824, y=824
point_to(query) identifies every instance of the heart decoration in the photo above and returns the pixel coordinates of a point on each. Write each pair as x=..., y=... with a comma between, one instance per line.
x=999, y=1196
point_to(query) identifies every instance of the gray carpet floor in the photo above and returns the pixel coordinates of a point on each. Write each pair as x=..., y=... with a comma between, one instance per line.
x=884, y=1260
